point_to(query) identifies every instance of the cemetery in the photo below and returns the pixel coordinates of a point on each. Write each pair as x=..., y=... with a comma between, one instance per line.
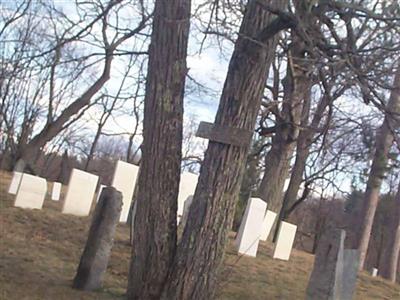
x=41, y=249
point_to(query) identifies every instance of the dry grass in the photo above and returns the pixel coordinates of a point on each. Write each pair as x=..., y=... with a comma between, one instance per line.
x=40, y=250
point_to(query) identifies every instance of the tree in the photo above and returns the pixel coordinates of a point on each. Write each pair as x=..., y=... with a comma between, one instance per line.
x=200, y=252
x=391, y=257
x=384, y=141
x=155, y=228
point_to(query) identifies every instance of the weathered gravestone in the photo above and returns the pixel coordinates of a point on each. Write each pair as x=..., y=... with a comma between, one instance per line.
x=94, y=260
x=374, y=272
x=187, y=187
x=80, y=192
x=350, y=270
x=267, y=224
x=15, y=181
x=249, y=232
x=185, y=213
x=327, y=276
x=284, y=243
x=124, y=180
x=31, y=192
x=56, y=191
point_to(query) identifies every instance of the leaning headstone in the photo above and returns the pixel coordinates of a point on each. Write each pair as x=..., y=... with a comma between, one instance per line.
x=186, y=208
x=124, y=181
x=249, y=232
x=80, y=192
x=31, y=192
x=187, y=187
x=350, y=271
x=15, y=181
x=284, y=243
x=94, y=260
x=327, y=276
x=56, y=191
x=374, y=272
x=268, y=222
x=102, y=186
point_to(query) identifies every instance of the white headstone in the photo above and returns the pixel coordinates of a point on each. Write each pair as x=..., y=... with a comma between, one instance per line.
x=267, y=224
x=80, y=192
x=102, y=186
x=374, y=272
x=15, y=181
x=187, y=186
x=31, y=192
x=284, y=244
x=124, y=181
x=55, y=193
x=248, y=236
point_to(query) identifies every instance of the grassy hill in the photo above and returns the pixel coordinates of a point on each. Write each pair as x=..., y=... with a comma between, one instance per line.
x=40, y=251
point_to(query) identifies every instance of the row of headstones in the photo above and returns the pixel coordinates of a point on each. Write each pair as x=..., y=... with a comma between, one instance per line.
x=31, y=190
x=256, y=225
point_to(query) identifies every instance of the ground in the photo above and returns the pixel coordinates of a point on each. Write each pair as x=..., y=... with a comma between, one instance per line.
x=40, y=251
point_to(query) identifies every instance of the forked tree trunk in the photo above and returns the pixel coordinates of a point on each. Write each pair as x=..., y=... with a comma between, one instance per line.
x=391, y=257
x=384, y=140
x=155, y=227
x=200, y=252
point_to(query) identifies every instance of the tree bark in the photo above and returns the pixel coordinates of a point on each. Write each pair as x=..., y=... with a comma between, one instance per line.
x=94, y=260
x=297, y=89
x=391, y=257
x=155, y=226
x=384, y=140
x=200, y=252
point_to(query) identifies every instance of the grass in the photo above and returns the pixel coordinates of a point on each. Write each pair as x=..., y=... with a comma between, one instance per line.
x=40, y=251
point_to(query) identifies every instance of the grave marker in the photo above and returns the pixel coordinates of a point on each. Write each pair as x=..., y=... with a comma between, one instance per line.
x=249, y=232
x=102, y=186
x=15, y=181
x=374, y=272
x=185, y=213
x=31, y=192
x=124, y=180
x=284, y=244
x=267, y=224
x=326, y=279
x=56, y=191
x=350, y=270
x=94, y=260
x=79, y=197
x=187, y=187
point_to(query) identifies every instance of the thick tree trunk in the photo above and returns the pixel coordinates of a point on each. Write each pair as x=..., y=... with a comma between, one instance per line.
x=297, y=88
x=384, y=140
x=388, y=269
x=200, y=252
x=94, y=260
x=155, y=227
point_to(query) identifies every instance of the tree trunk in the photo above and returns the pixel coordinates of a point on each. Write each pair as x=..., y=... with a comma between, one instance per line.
x=391, y=257
x=297, y=89
x=155, y=226
x=200, y=252
x=384, y=140
x=94, y=260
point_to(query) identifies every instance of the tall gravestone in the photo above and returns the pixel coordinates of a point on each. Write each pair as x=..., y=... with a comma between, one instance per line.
x=268, y=222
x=248, y=236
x=94, y=260
x=284, y=244
x=187, y=187
x=81, y=188
x=14, y=184
x=351, y=260
x=124, y=180
x=326, y=281
x=56, y=191
x=31, y=192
